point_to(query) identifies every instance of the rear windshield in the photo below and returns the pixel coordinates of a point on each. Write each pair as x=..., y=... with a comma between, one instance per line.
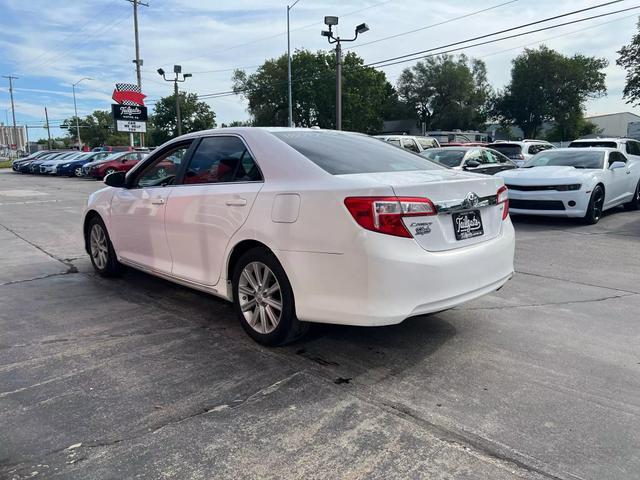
x=511, y=150
x=576, y=159
x=448, y=157
x=592, y=143
x=343, y=153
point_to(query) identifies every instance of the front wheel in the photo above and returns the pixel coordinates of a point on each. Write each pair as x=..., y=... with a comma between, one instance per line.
x=634, y=204
x=103, y=256
x=263, y=299
x=78, y=172
x=109, y=171
x=596, y=204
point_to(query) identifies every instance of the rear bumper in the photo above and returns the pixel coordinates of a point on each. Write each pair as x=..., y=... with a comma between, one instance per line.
x=382, y=280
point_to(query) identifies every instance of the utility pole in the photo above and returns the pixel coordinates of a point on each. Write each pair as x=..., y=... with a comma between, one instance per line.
x=138, y=61
x=46, y=116
x=75, y=108
x=331, y=21
x=13, y=110
x=177, y=69
x=26, y=131
x=290, y=108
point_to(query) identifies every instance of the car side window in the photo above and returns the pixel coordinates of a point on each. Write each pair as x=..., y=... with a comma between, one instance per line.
x=410, y=144
x=617, y=157
x=633, y=148
x=475, y=155
x=221, y=159
x=489, y=157
x=426, y=144
x=537, y=148
x=394, y=141
x=162, y=170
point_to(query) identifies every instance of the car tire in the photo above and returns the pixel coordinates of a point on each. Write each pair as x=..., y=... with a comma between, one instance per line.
x=77, y=172
x=103, y=256
x=594, y=210
x=634, y=204
x=257, y=302
x=109, y=171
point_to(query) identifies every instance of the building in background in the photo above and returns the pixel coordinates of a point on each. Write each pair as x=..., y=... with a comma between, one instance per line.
x=12, y=140
x=614, y=124
x=633, y=130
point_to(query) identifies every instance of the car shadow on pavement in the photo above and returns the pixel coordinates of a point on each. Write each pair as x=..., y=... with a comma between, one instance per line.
x=347, y=353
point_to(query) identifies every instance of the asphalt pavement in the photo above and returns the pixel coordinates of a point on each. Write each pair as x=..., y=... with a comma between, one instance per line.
x=140, y=378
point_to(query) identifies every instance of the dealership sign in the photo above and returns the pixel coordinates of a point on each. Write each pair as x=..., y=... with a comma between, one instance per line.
x=129, y=113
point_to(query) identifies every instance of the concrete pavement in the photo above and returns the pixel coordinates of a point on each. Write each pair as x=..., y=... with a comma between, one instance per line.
x=140, y=378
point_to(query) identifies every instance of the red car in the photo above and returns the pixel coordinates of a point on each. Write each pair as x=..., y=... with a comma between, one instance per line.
x=118, y=162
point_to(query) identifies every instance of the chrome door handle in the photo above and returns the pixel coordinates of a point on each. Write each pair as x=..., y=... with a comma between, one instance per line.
x=158, y=201
x=236, y=202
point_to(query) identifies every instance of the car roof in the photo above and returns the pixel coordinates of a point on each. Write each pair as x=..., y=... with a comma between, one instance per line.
x=590, y=149
x=603, y=139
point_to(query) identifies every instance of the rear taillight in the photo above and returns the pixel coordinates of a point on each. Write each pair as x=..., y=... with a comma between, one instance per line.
x=503, y=198
x=520, y=156
x=384, y=214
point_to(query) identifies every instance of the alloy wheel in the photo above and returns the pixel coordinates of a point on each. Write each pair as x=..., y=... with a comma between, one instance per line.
x=260, y=297
x=99, y=246
x=598, y=203
x=109, y=171
x=78, y=172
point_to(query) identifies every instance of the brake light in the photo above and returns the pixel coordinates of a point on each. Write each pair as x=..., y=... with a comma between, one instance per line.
x=384, y=214
x=503, y=197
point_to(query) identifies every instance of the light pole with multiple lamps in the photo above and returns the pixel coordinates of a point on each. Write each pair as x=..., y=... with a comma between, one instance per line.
x=330, y=22
x=177, y=69
x=75, y=108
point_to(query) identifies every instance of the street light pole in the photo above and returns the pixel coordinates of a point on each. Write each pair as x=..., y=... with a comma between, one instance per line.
x=177, y=69
x=75, y=108
x=290, y=103
x=331, y=21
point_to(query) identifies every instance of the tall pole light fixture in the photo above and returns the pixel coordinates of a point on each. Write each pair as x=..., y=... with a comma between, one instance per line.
x=290, y=104
x=331, y=21
x=177, y=70
x=75, y=108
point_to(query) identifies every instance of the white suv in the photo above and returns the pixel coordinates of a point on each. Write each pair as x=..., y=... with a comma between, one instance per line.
x=412, y=143
x=627, y=146
x=521, y=151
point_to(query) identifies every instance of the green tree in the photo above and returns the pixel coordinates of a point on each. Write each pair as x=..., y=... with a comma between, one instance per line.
x=547, y=86
x=195, y=115
x=365, y=92
x=238, y=123
x=96, y=129
x=629, y=59
x=579, y=127
x=447, y=92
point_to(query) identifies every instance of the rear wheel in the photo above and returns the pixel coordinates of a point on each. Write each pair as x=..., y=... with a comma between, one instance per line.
x=596, y=204
x=634, y=204
x=263, y=299
x=103, y=256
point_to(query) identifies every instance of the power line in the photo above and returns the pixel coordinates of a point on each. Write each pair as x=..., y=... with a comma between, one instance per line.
x=389, y=62
x=393, y=61
x=276, y=35
x=431, y=26
x=548, y=19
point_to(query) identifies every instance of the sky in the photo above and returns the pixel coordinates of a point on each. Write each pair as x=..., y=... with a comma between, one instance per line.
x=50, y=45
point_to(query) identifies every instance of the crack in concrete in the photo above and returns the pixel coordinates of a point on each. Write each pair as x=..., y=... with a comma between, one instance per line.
x=70, y=266
x=549, y=304
x=70, y=270
x=604, y=287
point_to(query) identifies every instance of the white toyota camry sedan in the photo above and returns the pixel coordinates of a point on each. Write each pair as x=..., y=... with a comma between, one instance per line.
x=572, y=182
x=304, y=225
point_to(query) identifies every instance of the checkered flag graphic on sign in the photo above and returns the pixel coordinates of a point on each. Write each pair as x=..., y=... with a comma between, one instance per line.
x=128, y=87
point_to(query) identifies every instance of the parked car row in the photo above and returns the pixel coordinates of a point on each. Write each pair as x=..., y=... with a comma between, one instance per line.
x=590, y=176
x=78, y=164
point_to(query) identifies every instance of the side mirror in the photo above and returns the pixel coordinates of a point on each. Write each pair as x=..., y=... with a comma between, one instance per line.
x=617, y=165
x=115, y=179
x=472, y=164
